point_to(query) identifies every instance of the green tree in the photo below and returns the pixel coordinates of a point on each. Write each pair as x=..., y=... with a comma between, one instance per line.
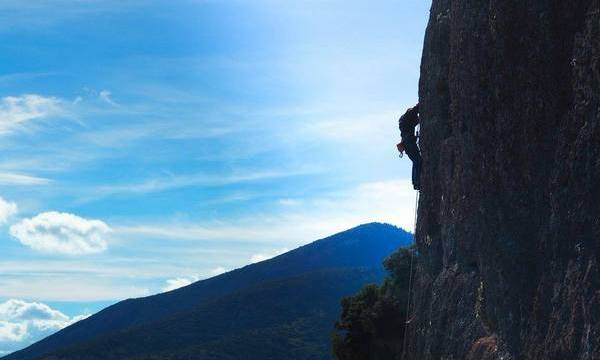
x=372, y=323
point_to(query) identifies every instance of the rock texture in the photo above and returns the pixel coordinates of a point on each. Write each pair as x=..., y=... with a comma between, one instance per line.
x=509, y=214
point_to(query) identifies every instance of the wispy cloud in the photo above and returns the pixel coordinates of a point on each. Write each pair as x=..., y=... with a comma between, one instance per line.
x=105, y=95
x=20, y=179
x=121, y=136
x=289, y=202
x=192, y=232
x=71, y=288
x=384, y=201
x=18, y=112
x=7, y=209
x=170, y=182
x=23, y=76
x=107, y=267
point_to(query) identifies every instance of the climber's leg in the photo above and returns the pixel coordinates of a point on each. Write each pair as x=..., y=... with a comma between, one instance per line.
x=412, y=150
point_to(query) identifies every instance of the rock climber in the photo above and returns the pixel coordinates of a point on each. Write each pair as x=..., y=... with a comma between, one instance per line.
x=407, y=124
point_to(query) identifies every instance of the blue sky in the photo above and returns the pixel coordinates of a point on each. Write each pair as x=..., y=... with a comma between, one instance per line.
x=148, y=144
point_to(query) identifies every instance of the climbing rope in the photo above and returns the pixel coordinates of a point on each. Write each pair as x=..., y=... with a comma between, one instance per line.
x=410, y=282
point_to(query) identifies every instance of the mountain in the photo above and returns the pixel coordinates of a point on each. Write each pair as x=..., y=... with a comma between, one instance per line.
x=288, y=303
x=508, y=223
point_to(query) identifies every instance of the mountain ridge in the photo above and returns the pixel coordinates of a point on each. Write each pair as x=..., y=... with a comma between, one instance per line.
x=320, y=254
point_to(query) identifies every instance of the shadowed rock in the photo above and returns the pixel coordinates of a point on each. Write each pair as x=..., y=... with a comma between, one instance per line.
x=509, y=215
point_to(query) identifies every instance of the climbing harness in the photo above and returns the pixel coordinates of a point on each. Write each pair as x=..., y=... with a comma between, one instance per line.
x=410, y=282
x=401, y=147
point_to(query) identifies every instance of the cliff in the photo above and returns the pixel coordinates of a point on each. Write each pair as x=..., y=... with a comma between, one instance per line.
x=509, y=213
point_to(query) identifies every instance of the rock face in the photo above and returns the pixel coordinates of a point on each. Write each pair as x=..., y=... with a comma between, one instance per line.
x=509, y=214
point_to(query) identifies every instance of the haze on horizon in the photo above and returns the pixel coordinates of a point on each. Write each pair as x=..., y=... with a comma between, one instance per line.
x=149, y=144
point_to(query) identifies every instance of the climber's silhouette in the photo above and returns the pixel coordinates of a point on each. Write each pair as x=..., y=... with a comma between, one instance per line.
x=407, y=124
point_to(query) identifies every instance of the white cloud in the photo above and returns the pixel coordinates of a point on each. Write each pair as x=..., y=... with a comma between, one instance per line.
x=22, y=323
x=177, y=283
x=267, y=255
x=77, y=318
x=12, y=331
x=54, y=232
x=17, y=111
x=19, y=310
x=7, y=209
x=180, y=282
x=218, y=271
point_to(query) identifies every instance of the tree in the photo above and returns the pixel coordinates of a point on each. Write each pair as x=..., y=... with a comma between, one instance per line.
x=372, y=323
